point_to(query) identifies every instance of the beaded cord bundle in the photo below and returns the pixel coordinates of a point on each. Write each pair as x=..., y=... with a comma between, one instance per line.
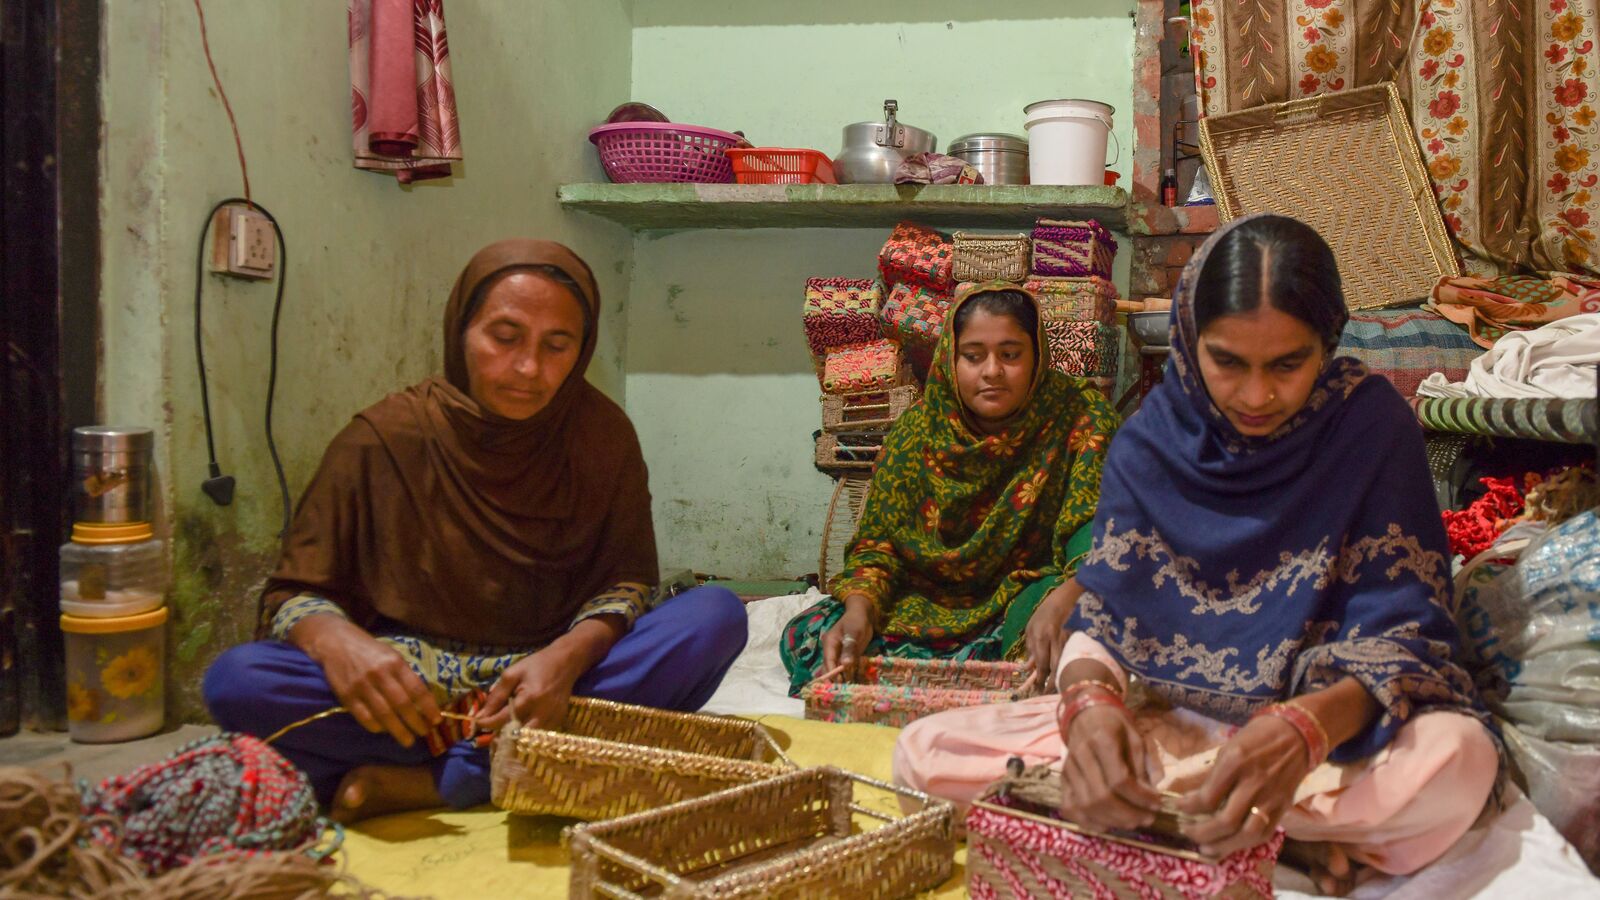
x=50, y=846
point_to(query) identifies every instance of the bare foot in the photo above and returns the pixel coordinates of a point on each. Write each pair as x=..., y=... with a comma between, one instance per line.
x=369, y=791
x=1326, y=863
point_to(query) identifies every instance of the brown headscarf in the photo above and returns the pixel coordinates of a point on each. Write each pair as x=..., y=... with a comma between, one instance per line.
x=434, y=515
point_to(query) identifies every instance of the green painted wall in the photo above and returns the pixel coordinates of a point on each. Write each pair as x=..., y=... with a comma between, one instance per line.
x=370, y=262
x=718, y=381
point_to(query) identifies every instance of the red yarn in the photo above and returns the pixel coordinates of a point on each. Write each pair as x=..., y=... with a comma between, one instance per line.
x=1475, y=529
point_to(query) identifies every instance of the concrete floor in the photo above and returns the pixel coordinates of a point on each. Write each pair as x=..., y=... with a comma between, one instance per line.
x=48, y=751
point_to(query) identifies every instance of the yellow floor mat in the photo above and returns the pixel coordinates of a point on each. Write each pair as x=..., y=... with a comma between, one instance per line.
x=489, y=853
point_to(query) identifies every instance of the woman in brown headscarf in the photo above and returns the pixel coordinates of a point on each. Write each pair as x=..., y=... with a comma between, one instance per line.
x=488, y=531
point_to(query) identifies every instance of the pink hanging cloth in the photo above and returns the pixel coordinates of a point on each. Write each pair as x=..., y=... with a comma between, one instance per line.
x=402, y=103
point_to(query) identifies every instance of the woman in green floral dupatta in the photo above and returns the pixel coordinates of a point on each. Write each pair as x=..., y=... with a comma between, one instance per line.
x=980, y=507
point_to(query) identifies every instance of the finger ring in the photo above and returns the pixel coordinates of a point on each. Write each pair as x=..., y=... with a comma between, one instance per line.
x=1265, y=820
x=849, y=640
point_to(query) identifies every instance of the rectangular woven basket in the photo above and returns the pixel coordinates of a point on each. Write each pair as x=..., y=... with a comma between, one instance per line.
x=793, y=836
x=990, y=257
x=1015, y=852
x=1086, y=349
x=1072, y=249
x=1347, y=164
x=1075, y=299
x=893, y=691
x=610, y=759
x=873, y=366
x=846, y=453
x=868, y=411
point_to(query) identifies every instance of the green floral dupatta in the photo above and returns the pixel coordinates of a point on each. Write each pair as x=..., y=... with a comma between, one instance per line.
x=959, y=523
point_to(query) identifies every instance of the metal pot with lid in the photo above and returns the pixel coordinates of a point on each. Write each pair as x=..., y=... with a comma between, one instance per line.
x=873, y=150
x=1000, y=158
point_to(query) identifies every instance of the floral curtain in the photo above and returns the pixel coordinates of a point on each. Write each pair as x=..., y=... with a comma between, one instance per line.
x=1503, y=96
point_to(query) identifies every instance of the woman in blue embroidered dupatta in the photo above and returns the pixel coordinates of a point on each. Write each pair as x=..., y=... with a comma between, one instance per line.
x=1267, y=532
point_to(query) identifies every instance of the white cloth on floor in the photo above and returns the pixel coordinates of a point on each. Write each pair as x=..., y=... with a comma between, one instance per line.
x=757, y=683
x=1555, y=360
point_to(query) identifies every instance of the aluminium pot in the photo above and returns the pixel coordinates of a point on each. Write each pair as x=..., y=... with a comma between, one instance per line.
x=874, y=150
x=1000, y=158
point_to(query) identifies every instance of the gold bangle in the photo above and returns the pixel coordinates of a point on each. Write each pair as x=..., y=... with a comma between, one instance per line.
x=1315, y=722
x=1080, y=684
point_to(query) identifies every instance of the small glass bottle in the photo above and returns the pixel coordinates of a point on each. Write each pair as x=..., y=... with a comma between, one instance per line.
x=1169, y=188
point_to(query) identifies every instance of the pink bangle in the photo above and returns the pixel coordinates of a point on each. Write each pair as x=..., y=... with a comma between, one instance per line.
x=1311, y=731
x=1093, y=695
x=1075, y=686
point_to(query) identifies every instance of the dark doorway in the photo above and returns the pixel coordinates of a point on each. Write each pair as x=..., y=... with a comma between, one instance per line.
x=49, y=331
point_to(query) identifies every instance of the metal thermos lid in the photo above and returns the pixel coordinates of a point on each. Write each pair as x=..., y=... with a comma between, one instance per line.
x=990, y=141
x=112, y=439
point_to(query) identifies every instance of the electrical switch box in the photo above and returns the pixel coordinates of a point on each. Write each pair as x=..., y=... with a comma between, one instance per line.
x=243, y=243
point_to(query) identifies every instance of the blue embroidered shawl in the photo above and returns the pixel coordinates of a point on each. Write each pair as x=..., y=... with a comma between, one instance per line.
x=1230, y=571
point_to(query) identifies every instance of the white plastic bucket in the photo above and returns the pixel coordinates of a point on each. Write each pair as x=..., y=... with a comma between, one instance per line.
x=1067, y=141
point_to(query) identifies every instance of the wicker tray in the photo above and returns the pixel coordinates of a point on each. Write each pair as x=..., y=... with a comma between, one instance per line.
x=611, y=759
x=892, y=691
x=1348, y=165
x=786, y=837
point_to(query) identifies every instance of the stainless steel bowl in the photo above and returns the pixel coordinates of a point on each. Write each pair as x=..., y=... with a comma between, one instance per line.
x=1000, y=158
x=1151, y=327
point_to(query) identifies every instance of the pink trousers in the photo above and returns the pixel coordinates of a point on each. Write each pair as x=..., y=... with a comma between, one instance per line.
x=1396, y=811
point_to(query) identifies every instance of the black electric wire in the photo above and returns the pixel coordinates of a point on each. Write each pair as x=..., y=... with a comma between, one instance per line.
x=272, y=369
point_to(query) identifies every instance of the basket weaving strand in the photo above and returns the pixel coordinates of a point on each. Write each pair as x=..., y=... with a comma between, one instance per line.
x=789, y=836
x=839, y=528
x=612, y=758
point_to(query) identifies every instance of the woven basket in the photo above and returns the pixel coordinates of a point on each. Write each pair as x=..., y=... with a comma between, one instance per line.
x=873, y=366
x=839, y=528
x=990, y=257
x=1075, y=299
x=611, y=759
x=868, y=411
x=893, y=691
x=844, y=454
x=1346, y=164
x=1072, y=249
x=1017, y=847
x=1086, y=349
x=786, y=837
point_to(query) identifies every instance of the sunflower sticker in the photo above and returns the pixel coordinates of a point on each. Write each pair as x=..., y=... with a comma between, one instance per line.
x=131, y=674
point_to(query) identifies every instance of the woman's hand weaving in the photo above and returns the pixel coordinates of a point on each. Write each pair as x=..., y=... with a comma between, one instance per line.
x=846, y=642
x=370, y=678
x=1046, y=633
x=1105, y=779
x=1250, y=787
x=536, y=689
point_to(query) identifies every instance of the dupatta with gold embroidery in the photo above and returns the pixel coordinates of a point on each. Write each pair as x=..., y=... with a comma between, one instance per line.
x=1230, y=572
x=958, y=523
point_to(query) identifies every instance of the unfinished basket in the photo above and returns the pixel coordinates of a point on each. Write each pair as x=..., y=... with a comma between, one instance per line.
x=610, y=759
x=871, y=411
x=786, y=837
x=1346, y=164
x=1018, y=848
x=893, y=691
x=844, y=511
x=1075, y=299
x=841, y=454
x=1072, y=249
x=990, y=257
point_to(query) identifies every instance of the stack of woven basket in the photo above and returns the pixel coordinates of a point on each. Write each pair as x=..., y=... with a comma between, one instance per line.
x=1072, y=279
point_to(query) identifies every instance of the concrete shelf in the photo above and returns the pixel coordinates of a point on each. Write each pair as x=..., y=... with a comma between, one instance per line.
x=650, y=207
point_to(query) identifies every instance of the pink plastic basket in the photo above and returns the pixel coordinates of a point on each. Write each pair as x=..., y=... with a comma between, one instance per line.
x=634, y=152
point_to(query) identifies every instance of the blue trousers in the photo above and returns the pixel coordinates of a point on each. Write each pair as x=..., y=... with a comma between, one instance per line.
x=673, y=658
